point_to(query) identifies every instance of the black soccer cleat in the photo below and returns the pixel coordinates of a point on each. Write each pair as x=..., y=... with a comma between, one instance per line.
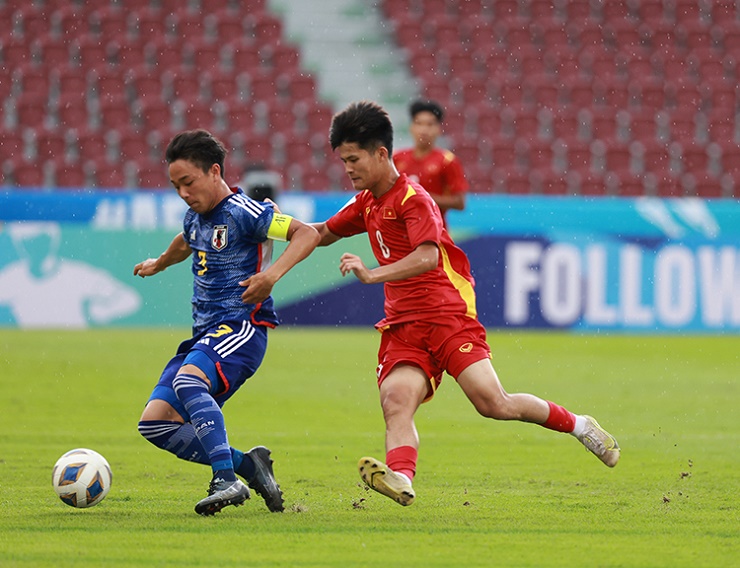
x=263, y=481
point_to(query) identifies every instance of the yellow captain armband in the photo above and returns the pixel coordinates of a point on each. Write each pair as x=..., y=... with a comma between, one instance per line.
x=278, y=230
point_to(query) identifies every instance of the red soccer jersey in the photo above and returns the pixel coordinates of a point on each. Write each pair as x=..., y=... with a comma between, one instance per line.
x=398, y=222
x=439, y=172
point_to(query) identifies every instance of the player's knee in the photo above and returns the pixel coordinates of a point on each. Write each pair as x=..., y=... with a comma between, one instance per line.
x=395, y=402
x=495, y=407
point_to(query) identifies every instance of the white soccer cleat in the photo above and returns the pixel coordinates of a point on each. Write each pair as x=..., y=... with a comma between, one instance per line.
x=600, y=442
x=384, y=480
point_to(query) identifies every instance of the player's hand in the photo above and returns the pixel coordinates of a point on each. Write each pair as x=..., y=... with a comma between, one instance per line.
x=146, y=268
x=258, y=288
x=353, y=263
x=274, y=205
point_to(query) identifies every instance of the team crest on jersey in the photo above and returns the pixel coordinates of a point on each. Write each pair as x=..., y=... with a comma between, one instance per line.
x=220, y=237
x=389, y=213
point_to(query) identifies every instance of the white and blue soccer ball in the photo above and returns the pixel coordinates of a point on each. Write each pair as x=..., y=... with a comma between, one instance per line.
x=81, y=478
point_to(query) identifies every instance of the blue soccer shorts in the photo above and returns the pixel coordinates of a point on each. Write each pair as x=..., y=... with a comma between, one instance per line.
x=228, y=353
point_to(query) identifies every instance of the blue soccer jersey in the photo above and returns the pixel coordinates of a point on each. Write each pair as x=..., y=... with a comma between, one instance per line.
x=229, y=245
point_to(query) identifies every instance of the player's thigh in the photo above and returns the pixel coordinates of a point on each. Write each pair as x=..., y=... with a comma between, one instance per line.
x=404, y=388
x=481, y=384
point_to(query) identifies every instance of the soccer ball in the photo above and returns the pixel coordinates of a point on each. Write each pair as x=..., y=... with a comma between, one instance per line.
x=81, y=478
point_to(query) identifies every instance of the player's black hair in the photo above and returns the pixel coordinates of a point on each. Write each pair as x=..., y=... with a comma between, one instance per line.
x=199, y=147
x=426, y=106
x=365, y=123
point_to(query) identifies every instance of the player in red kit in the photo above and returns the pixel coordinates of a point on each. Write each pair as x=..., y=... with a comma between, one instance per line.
x=437, y=170
x=430, y=324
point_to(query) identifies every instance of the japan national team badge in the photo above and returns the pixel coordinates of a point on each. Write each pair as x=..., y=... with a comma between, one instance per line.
x=220, y=237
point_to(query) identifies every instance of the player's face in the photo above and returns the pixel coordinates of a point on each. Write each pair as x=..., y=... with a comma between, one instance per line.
x=197, y=188
x=425, y=129
x=365, y=169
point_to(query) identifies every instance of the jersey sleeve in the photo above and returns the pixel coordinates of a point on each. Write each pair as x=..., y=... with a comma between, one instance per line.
x=422, y=218
x=455, y=180
x=253, y=222
x=349, y=220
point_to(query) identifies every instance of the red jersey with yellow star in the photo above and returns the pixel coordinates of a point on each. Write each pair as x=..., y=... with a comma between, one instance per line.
x=399, y=221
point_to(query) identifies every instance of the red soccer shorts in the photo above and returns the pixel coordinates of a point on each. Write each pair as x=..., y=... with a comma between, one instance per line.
x=450, y=344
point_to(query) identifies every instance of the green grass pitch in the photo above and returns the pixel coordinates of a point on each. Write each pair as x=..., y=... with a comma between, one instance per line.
x=488, y=493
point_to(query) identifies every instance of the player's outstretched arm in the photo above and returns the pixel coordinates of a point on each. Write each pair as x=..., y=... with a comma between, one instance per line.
x=302, y=240
x=327, y=237
x=422, y=259
x=178, y=251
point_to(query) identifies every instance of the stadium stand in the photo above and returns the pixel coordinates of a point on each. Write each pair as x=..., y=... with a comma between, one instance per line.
x=633, y=97
x=597, y=97
x=92, y=90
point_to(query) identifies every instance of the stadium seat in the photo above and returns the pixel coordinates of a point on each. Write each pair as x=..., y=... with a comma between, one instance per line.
x=628, y=185
x=193, y=114
x=148, y=22
x=31, y=111
x=240, y=118
x=143, y=84
x=26, y=172
x=223, y=26
x=71, y=174
x=590, y=185
x=31, y=80
x=151, y=175
x=706, y=187
x=721, y=127
x=108, y=177
x=106, y=82
x=51, y=52
x=50, y=144
x=151, y=114
x=694, y=159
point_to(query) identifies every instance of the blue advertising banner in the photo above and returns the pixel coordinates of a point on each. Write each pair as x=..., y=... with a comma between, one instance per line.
x=596, y=264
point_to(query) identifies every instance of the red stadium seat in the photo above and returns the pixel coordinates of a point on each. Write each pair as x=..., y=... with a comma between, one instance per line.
x=30, y=80
x=144, y=84
x=149, y=114
x=704, y=186
x=694, y=159
x=31, y=111
x=722, y=127
x=50, y=144
x=52, y=52
x=152, y=175
x=591, y=185
x=72, y=174
x=148, y=22
x=25, y=172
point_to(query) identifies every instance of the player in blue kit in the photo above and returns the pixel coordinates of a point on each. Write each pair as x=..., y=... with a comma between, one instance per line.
x=229, y=237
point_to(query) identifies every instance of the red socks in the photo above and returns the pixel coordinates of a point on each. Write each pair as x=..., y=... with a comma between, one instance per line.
x=403, y=460
x=560, y=419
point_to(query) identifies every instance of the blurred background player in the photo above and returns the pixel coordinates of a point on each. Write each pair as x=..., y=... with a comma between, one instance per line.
x=430, y=323
x=229, y=236
x=436, y=169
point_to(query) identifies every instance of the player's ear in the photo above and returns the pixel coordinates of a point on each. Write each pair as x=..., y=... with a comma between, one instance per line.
x=215, y=170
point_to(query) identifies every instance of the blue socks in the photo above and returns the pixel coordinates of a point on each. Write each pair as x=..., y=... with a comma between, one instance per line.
x=180, y=439
x=203, y=440
x=208, y=422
